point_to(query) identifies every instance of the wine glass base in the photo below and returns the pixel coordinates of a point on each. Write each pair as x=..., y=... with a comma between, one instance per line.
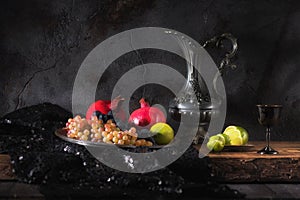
x=267, y=150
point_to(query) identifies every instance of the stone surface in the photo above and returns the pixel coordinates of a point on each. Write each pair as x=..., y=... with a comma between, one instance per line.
x=44, y=43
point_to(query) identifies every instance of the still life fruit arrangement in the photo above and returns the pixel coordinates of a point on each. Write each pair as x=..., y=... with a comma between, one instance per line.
x=232, y=136
x=99, y=125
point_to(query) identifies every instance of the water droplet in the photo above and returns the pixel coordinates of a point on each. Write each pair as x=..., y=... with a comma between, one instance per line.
x=159, y=182
x=67, y=149
x=129, y=161
x=84, y=164
x=31, y=172
x=7, y=121
x=21, y=158
x=179, y=191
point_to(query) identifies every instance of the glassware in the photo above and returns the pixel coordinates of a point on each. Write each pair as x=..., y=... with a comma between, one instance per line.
x=268, y=116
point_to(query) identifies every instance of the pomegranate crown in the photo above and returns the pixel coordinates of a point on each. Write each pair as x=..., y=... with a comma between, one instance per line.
x=115, y=102
x=143, y=103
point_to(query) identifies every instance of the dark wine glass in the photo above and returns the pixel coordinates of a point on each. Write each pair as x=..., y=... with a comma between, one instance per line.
x=268, y=116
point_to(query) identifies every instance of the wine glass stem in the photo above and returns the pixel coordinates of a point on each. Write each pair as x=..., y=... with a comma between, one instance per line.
x=268, y=135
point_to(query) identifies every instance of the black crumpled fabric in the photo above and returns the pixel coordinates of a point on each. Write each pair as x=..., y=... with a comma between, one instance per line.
x=66, y=169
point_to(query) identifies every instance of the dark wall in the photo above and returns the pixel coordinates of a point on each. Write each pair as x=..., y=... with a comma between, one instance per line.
x=42, y=44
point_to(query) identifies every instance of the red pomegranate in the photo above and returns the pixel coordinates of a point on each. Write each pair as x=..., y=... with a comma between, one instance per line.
x=146, y=116
x=103, y=106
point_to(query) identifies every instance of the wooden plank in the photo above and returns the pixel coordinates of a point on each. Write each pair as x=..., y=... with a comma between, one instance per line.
x=253, y=191
x=268, y=191
x=243, y=167
x=285, y=149
x=16, y=190
x=5, y=168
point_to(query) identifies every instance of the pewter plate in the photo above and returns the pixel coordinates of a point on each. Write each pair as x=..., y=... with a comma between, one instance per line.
x=62, y=134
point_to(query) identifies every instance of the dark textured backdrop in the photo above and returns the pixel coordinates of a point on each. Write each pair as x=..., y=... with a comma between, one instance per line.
x=42, y=44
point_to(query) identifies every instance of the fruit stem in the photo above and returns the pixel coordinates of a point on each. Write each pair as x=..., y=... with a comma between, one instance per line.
x=144, y=103
x=115, y=102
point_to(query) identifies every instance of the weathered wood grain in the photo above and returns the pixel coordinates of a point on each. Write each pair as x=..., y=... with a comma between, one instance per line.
x=5, y=168
x=252, y=167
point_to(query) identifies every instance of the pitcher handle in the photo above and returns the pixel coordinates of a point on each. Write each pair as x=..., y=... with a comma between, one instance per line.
x=217, y=40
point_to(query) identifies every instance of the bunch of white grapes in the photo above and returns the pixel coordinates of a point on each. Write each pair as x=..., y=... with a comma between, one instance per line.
x=96, y=131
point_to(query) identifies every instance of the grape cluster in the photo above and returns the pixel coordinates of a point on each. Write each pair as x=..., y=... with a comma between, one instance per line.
x=96, y=130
